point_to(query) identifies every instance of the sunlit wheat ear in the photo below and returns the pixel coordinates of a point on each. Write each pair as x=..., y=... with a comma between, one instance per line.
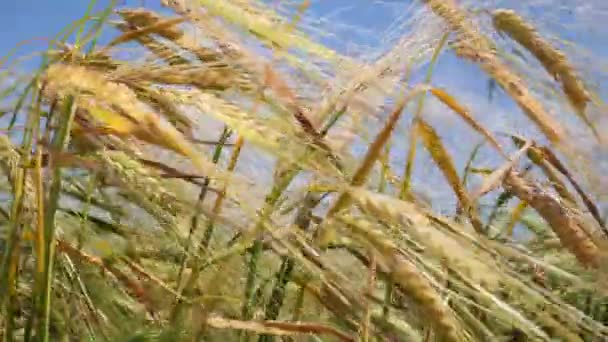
x=549, y=162
x=203, y=77
x=9, y=157
x=409, y=278
x=554, y=61
x=458, y=21
x=473, y=46
x=553, y=159
x=98, y=59
x=63, y=80
x=443, y=160
x=563, y=221
x=223, y=77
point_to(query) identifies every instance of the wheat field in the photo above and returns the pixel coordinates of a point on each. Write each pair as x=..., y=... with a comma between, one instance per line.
x=240, y=170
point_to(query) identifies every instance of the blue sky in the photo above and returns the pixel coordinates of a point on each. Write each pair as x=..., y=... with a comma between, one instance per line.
x=25, y=20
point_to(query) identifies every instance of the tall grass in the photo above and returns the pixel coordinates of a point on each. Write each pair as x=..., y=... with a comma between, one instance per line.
x=236, y=179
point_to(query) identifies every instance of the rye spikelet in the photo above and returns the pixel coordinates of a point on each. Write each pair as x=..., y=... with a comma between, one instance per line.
x=554, y=61
x=563, y=221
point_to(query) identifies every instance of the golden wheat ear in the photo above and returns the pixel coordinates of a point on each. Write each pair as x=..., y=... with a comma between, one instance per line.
x=131, y=116
x=563, y=222
x=553, y=60
x=472, y=45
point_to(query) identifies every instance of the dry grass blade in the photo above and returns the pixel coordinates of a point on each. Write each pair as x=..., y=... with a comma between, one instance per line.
x=563, y=221
x=278, y=328
x=464, y=113
x=442, y=158
x=553, y=60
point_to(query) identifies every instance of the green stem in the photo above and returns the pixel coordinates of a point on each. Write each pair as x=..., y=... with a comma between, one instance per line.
x=297, y=310
x=59, y=143
x=254, y=255
x=407, y=173
x=278, y=293
x=176, y=314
